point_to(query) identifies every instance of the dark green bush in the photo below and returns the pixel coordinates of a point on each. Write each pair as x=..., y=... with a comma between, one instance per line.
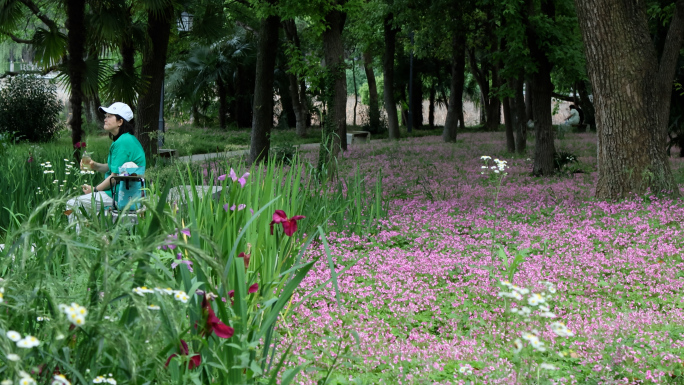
x=29, y=109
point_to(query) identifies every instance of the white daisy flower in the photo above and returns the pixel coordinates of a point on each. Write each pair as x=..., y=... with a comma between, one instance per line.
x=14, y=336
x=13, y=357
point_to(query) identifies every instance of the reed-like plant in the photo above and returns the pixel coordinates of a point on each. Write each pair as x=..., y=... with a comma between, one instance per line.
x=190, y=294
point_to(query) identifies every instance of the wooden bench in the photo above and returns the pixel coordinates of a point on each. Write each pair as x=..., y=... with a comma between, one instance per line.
x=167, y=153
x=363, y=137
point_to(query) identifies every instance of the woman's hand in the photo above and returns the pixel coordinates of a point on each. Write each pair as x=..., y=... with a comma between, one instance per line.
x=88, y=165
x=87, y=189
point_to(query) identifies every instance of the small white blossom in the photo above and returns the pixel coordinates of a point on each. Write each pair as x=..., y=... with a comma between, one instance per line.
x=13, y=357
x=548, y=366
x=14, y=336
x=181, y=296
x=6, y=382
x=141, y=291
x=517, y=345
x=59, y=379
x=28, y=342
x=153, y=307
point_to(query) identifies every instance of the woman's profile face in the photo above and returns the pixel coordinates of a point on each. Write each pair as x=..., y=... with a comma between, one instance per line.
x=111, y=124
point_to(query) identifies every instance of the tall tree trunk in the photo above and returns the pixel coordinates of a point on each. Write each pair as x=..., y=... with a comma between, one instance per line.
x=509, y=121
x=519, y=115
x=632, y=89
x=586, y=105
x=373, y=105
x=262, y=116
x=482, y=80
x=542, y=88
x=75, y=10
x=388, y=77
x=417, y=100
x=335, y=125
x=431, y=106
x=297, y=93
x=528, y=100
x=223, y=104
x=455, y=113
x=356, y=91
x=494, y=104
x=153, y=63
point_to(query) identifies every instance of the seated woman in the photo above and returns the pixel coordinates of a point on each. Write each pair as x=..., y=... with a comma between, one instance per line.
x=125, y=148
x=574, y=118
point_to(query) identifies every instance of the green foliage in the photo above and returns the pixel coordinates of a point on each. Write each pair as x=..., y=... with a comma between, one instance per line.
x=29, y=109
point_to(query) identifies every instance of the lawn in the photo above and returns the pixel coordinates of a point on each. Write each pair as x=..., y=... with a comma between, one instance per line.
x=423, y=300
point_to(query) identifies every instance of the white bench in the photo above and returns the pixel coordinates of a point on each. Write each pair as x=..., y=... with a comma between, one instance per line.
x=358, y=137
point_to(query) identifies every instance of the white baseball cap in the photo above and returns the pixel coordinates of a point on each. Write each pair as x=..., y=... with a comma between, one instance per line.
x=121, y=109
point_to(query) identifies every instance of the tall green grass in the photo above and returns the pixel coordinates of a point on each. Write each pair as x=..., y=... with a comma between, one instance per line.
x=131, y=336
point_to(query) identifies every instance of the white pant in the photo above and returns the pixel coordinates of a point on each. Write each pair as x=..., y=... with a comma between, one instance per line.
x=100, y=198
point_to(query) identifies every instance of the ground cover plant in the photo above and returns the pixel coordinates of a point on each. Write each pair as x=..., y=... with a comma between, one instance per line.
x=481, y=277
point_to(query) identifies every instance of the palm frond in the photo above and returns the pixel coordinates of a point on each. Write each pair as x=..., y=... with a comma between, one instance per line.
x=50, y=46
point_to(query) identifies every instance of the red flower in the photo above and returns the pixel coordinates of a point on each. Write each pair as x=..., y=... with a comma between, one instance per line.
x=253, y=289
x=289, y=224
x=246, y=257
x=80, y=145
x=195, y=360
x=213, y=323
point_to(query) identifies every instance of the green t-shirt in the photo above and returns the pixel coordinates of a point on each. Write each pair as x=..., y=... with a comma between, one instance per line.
x=125, y=149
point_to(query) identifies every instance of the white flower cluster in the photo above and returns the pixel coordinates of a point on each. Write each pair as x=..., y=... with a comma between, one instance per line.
x=499, y=167
x=47, y=168
x=535, y=299
x=561, y=330
x=104, y=380
x=59, y=379
x=178, y=295
x=2, y=294
x=75, y=313
x=534, y=341
x=546, y=366
x=26, y=343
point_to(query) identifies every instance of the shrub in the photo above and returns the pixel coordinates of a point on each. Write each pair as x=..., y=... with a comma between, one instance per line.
x=29, y=109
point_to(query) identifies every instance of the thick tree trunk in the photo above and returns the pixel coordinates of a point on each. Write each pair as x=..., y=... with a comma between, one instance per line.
x=519, y=116
x=494, y=104
x=509, y=121
x=153, y=63
x=301, y=109
x=542, y=87
x=373, y=104
x=455, y=113
x=388, y=77
x=335, y=125
x=223, y=104
x=262, y=116
x=76, y=66
x=632, y=89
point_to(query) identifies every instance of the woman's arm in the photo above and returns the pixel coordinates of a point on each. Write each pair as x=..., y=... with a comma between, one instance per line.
x=103, y=186
x=99, y=167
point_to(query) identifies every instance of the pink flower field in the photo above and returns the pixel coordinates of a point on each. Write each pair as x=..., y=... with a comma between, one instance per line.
x=422, y=301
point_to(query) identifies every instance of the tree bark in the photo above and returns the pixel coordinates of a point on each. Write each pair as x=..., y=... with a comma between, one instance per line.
x=416, y=99
x=262, y=116
x=223, y=104
x=510, y=125
x=586, y=105
x=75, y=24
x=542, y=87
x=528, y=100
x=373, y=104
x=519, y=115
x=299, y=104
x=455, y=113
x=335, y=125
x=388, y=77
x=153, y=63
x=632, y=89
x=431, y=106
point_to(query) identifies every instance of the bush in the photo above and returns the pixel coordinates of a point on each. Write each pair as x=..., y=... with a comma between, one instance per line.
x=29, y=109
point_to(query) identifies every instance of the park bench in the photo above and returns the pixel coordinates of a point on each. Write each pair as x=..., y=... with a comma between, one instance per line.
x=358, y=137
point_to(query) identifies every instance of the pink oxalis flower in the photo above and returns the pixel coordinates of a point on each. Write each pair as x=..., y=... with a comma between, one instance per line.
x=289, y=224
